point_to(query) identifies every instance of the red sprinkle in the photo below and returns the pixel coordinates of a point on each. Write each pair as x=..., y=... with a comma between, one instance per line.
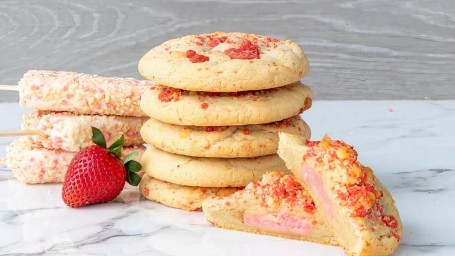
x=369, y=187
x=363, y=179
x=146, y=191
x=246, y=131
x=279, y=190
x=195, y=58
x=269, y=40
x=311, y=143
x=309, y=207
x=390, y=221
x=215, y=128
x=216, y=41
x=169, y=94
x=246, y=51
x=379, y=207
x=201, y=40
x=360, y=212
x=397, y=236
x=204, y=105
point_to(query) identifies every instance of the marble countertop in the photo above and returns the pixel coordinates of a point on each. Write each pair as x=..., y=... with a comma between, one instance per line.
x=409, y=145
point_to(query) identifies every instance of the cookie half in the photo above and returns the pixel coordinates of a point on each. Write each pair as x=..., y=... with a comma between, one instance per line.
x=177, y=196
x=175, y=106
x=221, y=141
x=208, y=172
x=355, y=204
x=277, y=206
x=225, y=62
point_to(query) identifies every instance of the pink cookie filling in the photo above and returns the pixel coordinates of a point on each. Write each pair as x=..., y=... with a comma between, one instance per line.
x=281, y=222
x=314, y=181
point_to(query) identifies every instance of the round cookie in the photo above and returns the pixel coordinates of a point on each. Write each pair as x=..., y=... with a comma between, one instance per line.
x=207, y=172
x=177, y=196
x=175, y=106
x=221, y=141
x=224, y=62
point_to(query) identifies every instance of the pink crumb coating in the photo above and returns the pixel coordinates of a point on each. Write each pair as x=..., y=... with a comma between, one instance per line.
x=72, y=132
x=82, y=93
x=33, y=164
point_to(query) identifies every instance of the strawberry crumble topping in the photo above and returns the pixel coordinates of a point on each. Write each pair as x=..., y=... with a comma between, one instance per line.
x=216, y=41
x=277, y=188
x=195, y=58
x=246, y=51
x=168, y=94
x=204, y=105
x=390, y=221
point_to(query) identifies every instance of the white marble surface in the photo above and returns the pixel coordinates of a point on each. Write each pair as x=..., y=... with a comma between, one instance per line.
x=409, y=144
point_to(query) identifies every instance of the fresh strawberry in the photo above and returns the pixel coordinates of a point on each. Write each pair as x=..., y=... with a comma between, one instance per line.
x=96, y=174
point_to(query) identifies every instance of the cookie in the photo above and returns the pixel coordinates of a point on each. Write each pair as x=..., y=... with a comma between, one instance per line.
x=221, y=141
x=277, y=206
x=177, y=196
x=225, y=62
x=175, y=106
x=356, y=205
x=207, y=172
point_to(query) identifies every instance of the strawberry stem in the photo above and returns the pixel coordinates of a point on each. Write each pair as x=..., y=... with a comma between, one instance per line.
x=116, y=147
x=98, y=137
x=133, y=178
x=129, y=157
x=132, y=167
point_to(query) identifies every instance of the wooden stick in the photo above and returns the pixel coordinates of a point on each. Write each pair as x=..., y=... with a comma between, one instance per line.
x=4, y=87
x=19, y=133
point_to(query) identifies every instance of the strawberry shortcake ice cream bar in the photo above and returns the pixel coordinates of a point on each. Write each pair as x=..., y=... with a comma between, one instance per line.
x=355, y=204
x=33, y=164
x=70, y=132
x=278, y=205
x=82, y=93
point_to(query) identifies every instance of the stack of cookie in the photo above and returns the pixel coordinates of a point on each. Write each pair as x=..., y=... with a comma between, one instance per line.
x=217, y=108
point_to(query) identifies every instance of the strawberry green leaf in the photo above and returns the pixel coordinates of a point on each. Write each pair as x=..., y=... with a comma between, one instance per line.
x=118, y=143
x=133, y=166
x=116, y=147
x=98, y=137
x=133, y=178
x=130, y=157
x=117, y=152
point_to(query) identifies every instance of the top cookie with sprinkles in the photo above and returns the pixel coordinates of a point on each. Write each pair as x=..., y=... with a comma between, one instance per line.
x=225, y=62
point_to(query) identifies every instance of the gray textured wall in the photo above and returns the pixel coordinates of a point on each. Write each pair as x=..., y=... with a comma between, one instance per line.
x=357, y=49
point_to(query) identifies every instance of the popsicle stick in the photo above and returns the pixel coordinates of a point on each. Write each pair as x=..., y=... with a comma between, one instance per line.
x=4, y=87
x=19, y=133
